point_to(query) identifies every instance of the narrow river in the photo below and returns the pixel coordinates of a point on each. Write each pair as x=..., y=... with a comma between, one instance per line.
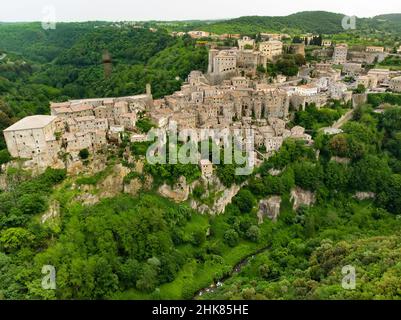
x=235, y=270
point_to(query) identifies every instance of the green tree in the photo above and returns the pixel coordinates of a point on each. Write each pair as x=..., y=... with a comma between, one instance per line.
x=253, y=233
x=231, y=237
x=13, y=239
x=244, y=200
x=4, y=157
x=147, y=280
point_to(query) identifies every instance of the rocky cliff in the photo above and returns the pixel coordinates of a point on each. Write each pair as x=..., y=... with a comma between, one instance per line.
x=269, y=208
x=300, y=197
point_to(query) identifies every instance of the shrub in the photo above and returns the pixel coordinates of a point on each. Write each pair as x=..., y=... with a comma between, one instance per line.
x=84, y=154
x=231, y=237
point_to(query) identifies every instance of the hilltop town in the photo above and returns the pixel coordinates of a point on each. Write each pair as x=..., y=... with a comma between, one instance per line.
x=255, y=158
x=232, y=94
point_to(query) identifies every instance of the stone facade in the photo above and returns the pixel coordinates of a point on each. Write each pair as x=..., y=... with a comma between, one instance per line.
x=271, y=49
x=35, y=138
x=340, y=54
x=226, y=63
x=246, y=43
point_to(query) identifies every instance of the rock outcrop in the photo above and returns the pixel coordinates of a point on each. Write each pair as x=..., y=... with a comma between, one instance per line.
x=364, y=195
x=114, y=183
x=133, y=187
x=301, y=197
x=269, y=208
x=109, y=187
x=178, y=193
x=341, y=160
x=88, y=199
x=221, y=203
x=274, y=172
x=53, y=211
x=75, y=166
x=214, y=189
x=3, y=182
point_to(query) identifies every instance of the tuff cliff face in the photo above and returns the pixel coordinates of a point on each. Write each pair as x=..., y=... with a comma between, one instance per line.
x=301, y=197
x=53, y=212
x=133, y=187
x=228, y=194
x=364, y=195
x=76, y=166
x=178, y=193
x=112, y=185
x=269, y=208
x=216, y=196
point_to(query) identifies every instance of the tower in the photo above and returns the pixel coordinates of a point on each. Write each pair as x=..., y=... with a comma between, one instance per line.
x=212, y=54
x=148, y=89
x=107, y=63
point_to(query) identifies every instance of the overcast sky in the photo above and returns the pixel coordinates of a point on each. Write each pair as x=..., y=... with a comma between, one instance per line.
x=115, y=10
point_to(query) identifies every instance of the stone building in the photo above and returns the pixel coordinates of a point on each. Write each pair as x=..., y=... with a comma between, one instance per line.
x=395, y=84
x=272, y=36
x=249, y=60
x=246, y=43
x=338, y=91
x=222, y=65
x=382, y=75
x=352, y=68
x=340, y=54
x=271, y=49
x=32, y=136
x=375, y=49
x=72, y=126
x=197, y=34
x=206, y=168
x=298, y=48
x=300, y=101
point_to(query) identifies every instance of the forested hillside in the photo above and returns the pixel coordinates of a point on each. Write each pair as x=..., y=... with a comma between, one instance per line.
x=317, y=22
x=310, y=246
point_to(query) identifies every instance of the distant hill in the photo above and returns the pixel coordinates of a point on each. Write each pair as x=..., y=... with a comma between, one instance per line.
x=304, y=22
x=392, y=17
x=308, y=21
